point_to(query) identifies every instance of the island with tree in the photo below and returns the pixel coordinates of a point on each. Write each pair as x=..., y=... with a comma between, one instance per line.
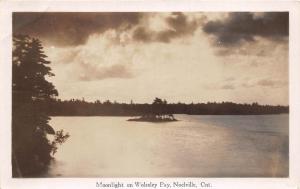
x=158, y=113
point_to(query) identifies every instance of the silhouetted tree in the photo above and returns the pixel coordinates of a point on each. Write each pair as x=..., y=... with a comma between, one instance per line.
x=31, y=150
x=157, y=101
x=159, y=106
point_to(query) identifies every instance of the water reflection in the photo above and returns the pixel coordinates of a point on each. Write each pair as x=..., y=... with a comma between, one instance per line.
x=201, y=146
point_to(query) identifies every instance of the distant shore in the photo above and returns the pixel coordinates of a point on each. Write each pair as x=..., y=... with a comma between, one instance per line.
x=177, y=120
x=107, y=108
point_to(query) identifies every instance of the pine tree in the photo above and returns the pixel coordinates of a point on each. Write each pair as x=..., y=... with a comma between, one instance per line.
x=31, y=149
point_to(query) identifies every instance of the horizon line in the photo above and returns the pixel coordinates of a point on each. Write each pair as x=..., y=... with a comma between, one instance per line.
x=179, y=102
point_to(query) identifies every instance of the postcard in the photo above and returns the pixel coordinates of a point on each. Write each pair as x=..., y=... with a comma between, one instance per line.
x=137, y=94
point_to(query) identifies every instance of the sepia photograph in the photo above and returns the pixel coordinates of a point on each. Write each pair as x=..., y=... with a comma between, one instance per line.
x=150, y=94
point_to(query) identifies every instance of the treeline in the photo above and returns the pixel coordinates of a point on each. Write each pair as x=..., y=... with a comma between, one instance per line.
x=75, y=107
x=32, y=151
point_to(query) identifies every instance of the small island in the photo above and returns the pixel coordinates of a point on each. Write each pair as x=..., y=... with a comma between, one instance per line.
x=158, y=113
x=155, y=118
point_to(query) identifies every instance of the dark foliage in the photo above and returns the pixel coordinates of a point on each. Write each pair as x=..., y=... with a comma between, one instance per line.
x=82, y=108
x=30, y=147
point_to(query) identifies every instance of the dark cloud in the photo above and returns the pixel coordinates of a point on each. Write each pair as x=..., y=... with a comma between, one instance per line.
x=178, y=24
x=141, y=34
x=261, y=49
x=67, y=29
x=244, y=26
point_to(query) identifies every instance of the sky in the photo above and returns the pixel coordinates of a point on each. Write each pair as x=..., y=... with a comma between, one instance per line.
x=184, y=57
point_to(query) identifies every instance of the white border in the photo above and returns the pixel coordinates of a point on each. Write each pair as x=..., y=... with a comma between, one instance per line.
x=7, y=7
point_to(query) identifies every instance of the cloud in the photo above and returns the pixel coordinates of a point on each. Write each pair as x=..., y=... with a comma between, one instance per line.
x=141, y=34
x=178, y=25
x=271, y=83
x=244, y=27
x=70, y=29
x=230, y=79
x=91, y=72
x=255, y=52
x=63, y=55
x=100, y=58
x=265, y=82
x=261, y=50
x=73, y=29
x=220, y=86
x=228, y=87
x=231, y=83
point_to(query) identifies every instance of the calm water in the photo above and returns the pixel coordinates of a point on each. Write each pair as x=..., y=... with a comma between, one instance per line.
x=196, y=146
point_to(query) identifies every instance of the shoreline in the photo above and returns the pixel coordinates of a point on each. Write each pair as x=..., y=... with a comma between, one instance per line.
x=174, y=114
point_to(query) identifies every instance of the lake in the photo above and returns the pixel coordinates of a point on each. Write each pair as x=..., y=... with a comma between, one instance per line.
x=195, y=146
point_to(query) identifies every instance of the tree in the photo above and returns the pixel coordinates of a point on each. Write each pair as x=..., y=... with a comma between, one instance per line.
x=157, y=101
x=31, y=149
x=159, y=106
